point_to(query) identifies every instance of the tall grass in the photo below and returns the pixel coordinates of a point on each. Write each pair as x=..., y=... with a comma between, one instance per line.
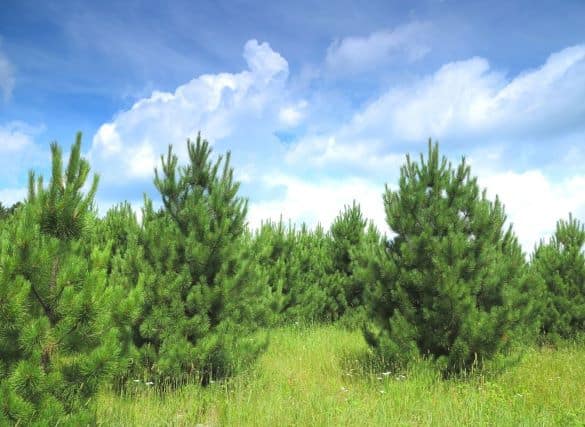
x=324, y=376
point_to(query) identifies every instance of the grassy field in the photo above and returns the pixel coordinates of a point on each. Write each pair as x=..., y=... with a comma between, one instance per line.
x=322, y=376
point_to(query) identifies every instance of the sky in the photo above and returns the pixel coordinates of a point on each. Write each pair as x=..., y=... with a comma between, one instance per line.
x=318, y=102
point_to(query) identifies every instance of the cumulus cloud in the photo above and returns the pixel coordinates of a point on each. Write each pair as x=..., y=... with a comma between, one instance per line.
x=7, y=79
x=461, y=101
x=216, y=104
x=469, y=98
x=359, y=53
x=534, y=202
x=318, y=201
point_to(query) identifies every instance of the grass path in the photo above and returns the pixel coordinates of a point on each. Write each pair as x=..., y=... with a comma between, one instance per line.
x=318, y=377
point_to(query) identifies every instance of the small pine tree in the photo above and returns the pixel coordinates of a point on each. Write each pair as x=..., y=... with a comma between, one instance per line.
x=56, y=342
x=348, y=231
x=449, y=284
x=204, y=303
x=560, y=263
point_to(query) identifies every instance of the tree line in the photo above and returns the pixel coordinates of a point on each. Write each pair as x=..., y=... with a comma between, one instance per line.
x=189, y=292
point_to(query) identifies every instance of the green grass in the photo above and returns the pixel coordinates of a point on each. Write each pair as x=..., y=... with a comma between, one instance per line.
x=323, y=376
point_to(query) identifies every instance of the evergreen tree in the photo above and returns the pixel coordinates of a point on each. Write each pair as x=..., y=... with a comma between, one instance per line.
x=561, y=265
x=299, y=271
x=7, y=212
x=204, y=302
x=348, y=231
x=56, y=341
x=452, y=284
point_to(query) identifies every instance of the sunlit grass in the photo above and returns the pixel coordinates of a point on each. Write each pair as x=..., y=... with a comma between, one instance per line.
x=323, y=376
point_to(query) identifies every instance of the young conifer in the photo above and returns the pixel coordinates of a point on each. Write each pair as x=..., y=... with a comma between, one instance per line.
x=450, y=282
x=561, y=265
x=204, y=304
x=348, y=232
x=56, y=342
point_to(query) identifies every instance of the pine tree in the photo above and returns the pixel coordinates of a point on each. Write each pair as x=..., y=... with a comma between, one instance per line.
x=204, y=303
x=348, y=231
x=56, y=341
x=451, y=284
x=560, y=263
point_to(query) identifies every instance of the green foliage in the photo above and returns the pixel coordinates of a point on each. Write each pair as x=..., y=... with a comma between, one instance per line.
x=348, y=232
x=56, y=342
x=451, y=284
x=298, y=268
x=201, y=296
x=560, y=263
x=7, y=212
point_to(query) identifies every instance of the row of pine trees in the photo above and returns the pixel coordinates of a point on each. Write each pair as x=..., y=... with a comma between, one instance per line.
x=189, y=292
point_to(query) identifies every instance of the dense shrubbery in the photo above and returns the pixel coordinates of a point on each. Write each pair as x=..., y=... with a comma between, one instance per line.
x=181, y=293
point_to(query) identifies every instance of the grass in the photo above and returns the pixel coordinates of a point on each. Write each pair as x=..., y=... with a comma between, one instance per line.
x=323, y=376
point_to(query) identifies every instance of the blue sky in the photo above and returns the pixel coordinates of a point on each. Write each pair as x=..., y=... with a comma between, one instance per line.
x=318, y=101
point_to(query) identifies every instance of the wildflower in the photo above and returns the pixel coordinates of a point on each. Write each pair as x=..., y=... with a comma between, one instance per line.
x=386, y=373
x=344, y=389
x=136, y=381
x=149, y=383
x=382, y=391
x=400, y=377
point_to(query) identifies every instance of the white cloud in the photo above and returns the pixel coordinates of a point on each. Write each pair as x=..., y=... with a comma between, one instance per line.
x=292, y=115
x=357, y=54
x=216, y=104
x=19, y=152
x=468, y=98
x=318, y=202
x=15, y=136
x=9, y=196
x=7, y=79
x=462, y=101
x=534, y=202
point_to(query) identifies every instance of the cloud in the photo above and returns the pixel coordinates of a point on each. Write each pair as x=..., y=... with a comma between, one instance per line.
x=318, y=201
x=464, y=101
x=9, y=196
x=534, y=202
x=467, y=98
x=358, y=54
x=216, y=104
x=15, y=136
x=18, y=149
x=292, y=115
x=7, y=79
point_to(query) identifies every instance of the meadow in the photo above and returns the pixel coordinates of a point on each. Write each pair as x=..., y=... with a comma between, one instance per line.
x=326, y=376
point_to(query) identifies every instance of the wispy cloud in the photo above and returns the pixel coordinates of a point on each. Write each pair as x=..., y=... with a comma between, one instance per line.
x=7, y=77
x=356, y=54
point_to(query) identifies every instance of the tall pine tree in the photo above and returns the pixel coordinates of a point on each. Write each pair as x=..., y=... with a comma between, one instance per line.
x=451, y=283
x=56, y=341
x=205, y=301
